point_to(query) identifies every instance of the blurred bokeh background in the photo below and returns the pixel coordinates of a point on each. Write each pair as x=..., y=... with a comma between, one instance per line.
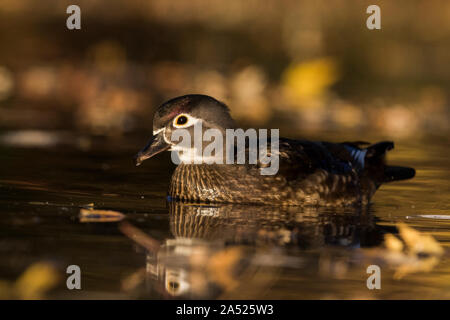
x=293, y=64
x=76, y=105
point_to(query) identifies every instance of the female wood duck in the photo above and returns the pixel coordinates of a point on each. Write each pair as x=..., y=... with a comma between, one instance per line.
x=310, y=173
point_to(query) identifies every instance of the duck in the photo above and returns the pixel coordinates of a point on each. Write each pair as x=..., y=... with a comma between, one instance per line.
x=310, y=173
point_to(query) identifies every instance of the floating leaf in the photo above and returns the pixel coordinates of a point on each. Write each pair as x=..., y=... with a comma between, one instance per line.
x=392, y=243
x=411, y=252
x=419, y=243
x=91, y=215
x=36, y=281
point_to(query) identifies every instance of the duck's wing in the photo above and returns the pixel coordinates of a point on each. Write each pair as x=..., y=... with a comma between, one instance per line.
x=299, y=158
x=371, y=160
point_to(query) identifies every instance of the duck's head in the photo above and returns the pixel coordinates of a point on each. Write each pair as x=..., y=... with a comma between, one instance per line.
x=184, y=113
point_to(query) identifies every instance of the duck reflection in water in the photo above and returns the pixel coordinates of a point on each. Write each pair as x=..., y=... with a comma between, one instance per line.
x=219, y=251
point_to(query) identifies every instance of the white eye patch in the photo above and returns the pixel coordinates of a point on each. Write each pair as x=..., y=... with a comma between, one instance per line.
x=184, y=120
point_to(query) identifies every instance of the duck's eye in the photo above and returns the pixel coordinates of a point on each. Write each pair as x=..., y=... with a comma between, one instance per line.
x=181, y=120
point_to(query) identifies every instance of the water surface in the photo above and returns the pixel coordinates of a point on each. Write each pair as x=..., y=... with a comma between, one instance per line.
x=168, y=250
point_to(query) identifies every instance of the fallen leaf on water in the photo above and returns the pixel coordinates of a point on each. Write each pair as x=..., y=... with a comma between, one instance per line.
x=36, y=281
x=392, y=243
x=419, y=242
x=91, y=215
x=412, y=251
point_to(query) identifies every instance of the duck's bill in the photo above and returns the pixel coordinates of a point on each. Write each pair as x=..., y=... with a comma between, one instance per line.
x=156, y=145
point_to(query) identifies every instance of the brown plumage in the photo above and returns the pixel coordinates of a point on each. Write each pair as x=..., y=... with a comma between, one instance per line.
x=310, y=173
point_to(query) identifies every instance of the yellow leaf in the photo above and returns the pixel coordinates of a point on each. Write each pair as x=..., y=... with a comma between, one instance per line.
x=392, y=243
x=310, y=79
x=418, y=242
x=36, y=281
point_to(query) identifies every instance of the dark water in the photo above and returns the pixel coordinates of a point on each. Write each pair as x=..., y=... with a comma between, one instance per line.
x=170, y=250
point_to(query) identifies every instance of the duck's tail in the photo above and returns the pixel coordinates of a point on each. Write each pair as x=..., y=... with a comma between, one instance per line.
x=375, y=157
x=395, y=173
x=372, y=160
